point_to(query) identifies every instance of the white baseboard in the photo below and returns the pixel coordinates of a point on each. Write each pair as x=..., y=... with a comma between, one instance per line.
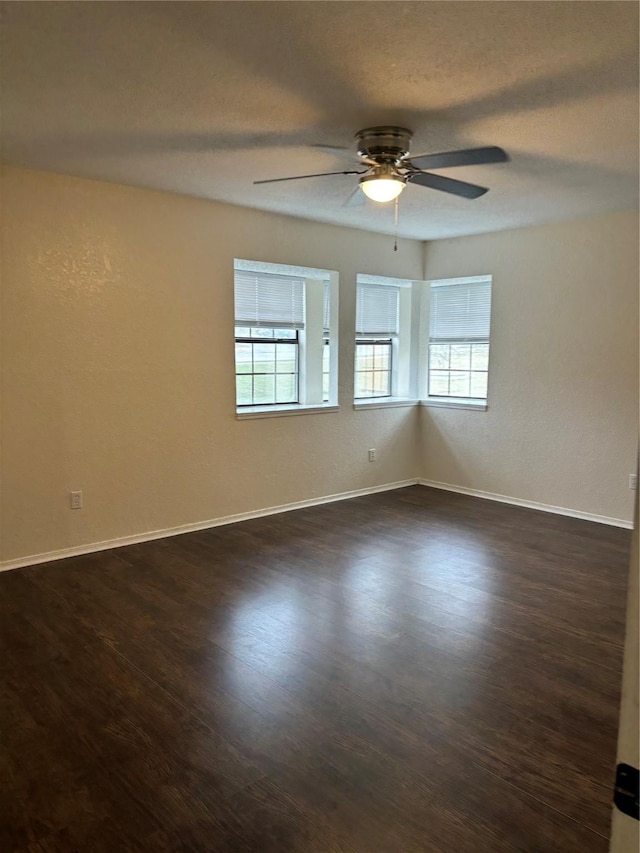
x=92, y=547
x=505, y=499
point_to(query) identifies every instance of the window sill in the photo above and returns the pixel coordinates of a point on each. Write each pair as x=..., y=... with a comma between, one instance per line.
x=282, y=411
x=457, y=403
x=384, y=403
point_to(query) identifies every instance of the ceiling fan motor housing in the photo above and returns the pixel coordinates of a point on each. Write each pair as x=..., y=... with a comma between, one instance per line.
x=385, y=144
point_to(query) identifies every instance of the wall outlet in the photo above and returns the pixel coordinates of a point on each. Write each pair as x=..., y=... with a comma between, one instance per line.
x=76, y=500
x=633, y=481
x=372, y=454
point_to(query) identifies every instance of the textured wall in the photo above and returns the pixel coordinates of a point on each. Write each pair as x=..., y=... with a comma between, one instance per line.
x=562, y=423
x=118, y=365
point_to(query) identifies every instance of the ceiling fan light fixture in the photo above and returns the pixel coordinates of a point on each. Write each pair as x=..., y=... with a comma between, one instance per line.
x=381, y=188
x=384, y=152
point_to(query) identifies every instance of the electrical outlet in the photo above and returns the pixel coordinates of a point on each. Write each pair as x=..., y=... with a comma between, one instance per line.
x=76, y=500
x=633, y=481
x=372, y=454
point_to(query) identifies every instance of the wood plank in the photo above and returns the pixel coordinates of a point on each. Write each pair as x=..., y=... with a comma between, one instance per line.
x=409, y=671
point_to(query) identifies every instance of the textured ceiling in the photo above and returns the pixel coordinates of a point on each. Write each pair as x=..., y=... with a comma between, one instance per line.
x=205, y=97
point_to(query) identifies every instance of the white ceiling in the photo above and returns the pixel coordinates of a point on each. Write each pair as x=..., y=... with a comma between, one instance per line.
x=205, y=97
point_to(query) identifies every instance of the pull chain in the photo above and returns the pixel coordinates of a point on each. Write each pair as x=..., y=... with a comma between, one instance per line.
x=395, y=242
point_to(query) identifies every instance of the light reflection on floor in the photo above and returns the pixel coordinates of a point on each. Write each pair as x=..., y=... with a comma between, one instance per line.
x=265, y=627
x=278, y=629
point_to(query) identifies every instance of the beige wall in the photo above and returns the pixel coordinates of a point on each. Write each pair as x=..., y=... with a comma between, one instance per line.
x=118, y=363
x=117, y=368
x=562, y=422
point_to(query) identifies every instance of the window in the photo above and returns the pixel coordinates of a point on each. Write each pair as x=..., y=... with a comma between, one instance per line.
x=269, y=316
x=266, y=366
x=459, y=326
x=387, y=337
x=377, y=328
x=283, y=340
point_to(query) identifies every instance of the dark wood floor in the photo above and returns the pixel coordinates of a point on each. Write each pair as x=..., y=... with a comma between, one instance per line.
x=408, y=671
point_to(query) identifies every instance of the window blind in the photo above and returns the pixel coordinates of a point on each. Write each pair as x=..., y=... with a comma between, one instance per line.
x=269, y=300
x=325, y=307
x=377, y=310
x=460, y=312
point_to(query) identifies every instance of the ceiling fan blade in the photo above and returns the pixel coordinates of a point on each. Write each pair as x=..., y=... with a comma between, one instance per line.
x=301, y=177
x=468, y=157
x=446, y=185
x=356, y=199
x=338, y=150
x=343, y=153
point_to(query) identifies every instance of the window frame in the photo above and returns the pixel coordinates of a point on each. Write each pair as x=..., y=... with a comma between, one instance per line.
x=326, y=347
x=404, y=376
x=452, y=371
x=319, y=329
x=450, y=401
x=273, y=341
x=376, y=341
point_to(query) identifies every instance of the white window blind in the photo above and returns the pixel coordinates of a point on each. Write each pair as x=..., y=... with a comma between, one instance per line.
x=460, y=312
x=377, y=310
x=325, y=306
x=262, y=299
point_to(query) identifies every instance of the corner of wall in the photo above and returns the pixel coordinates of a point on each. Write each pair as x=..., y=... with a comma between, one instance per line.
x=425, y=255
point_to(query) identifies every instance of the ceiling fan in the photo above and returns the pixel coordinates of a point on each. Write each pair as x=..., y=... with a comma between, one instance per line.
x=384, y=152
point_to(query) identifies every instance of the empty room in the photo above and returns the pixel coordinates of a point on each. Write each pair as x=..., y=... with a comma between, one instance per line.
x=319, y=427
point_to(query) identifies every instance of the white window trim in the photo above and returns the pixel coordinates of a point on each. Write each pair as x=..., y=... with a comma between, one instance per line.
x=404, y=364
x=314, y=278
x=471, y=404
x=384, y=403
x=465, y=279
x=278, y=411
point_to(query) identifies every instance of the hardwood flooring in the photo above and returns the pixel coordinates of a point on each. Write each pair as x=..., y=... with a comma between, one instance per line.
x=408, y=671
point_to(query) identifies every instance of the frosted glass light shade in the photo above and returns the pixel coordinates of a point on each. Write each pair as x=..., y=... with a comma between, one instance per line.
x=381, y=188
